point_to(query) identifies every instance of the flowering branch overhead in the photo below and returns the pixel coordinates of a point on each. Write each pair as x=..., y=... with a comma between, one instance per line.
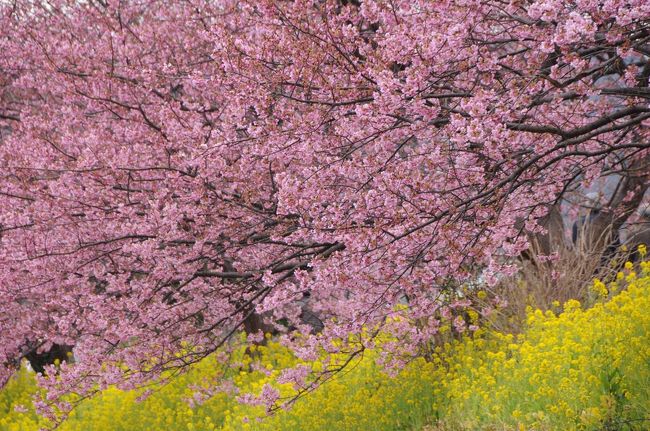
x=173, y=172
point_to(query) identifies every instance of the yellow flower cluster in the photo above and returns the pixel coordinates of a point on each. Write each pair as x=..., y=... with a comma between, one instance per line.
x=363, y=397
x=579, y=369
x=15, y=398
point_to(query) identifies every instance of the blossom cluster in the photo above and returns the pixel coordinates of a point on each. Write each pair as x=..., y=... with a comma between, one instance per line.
x=172, y=171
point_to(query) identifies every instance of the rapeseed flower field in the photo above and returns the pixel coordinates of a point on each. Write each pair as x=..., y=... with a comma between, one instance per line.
x=572, y=368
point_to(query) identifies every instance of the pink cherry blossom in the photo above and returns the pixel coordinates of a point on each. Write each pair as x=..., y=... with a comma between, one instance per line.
x=174, y=173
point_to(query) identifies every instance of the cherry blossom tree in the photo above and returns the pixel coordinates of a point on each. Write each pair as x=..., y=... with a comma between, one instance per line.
x=174, y=172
